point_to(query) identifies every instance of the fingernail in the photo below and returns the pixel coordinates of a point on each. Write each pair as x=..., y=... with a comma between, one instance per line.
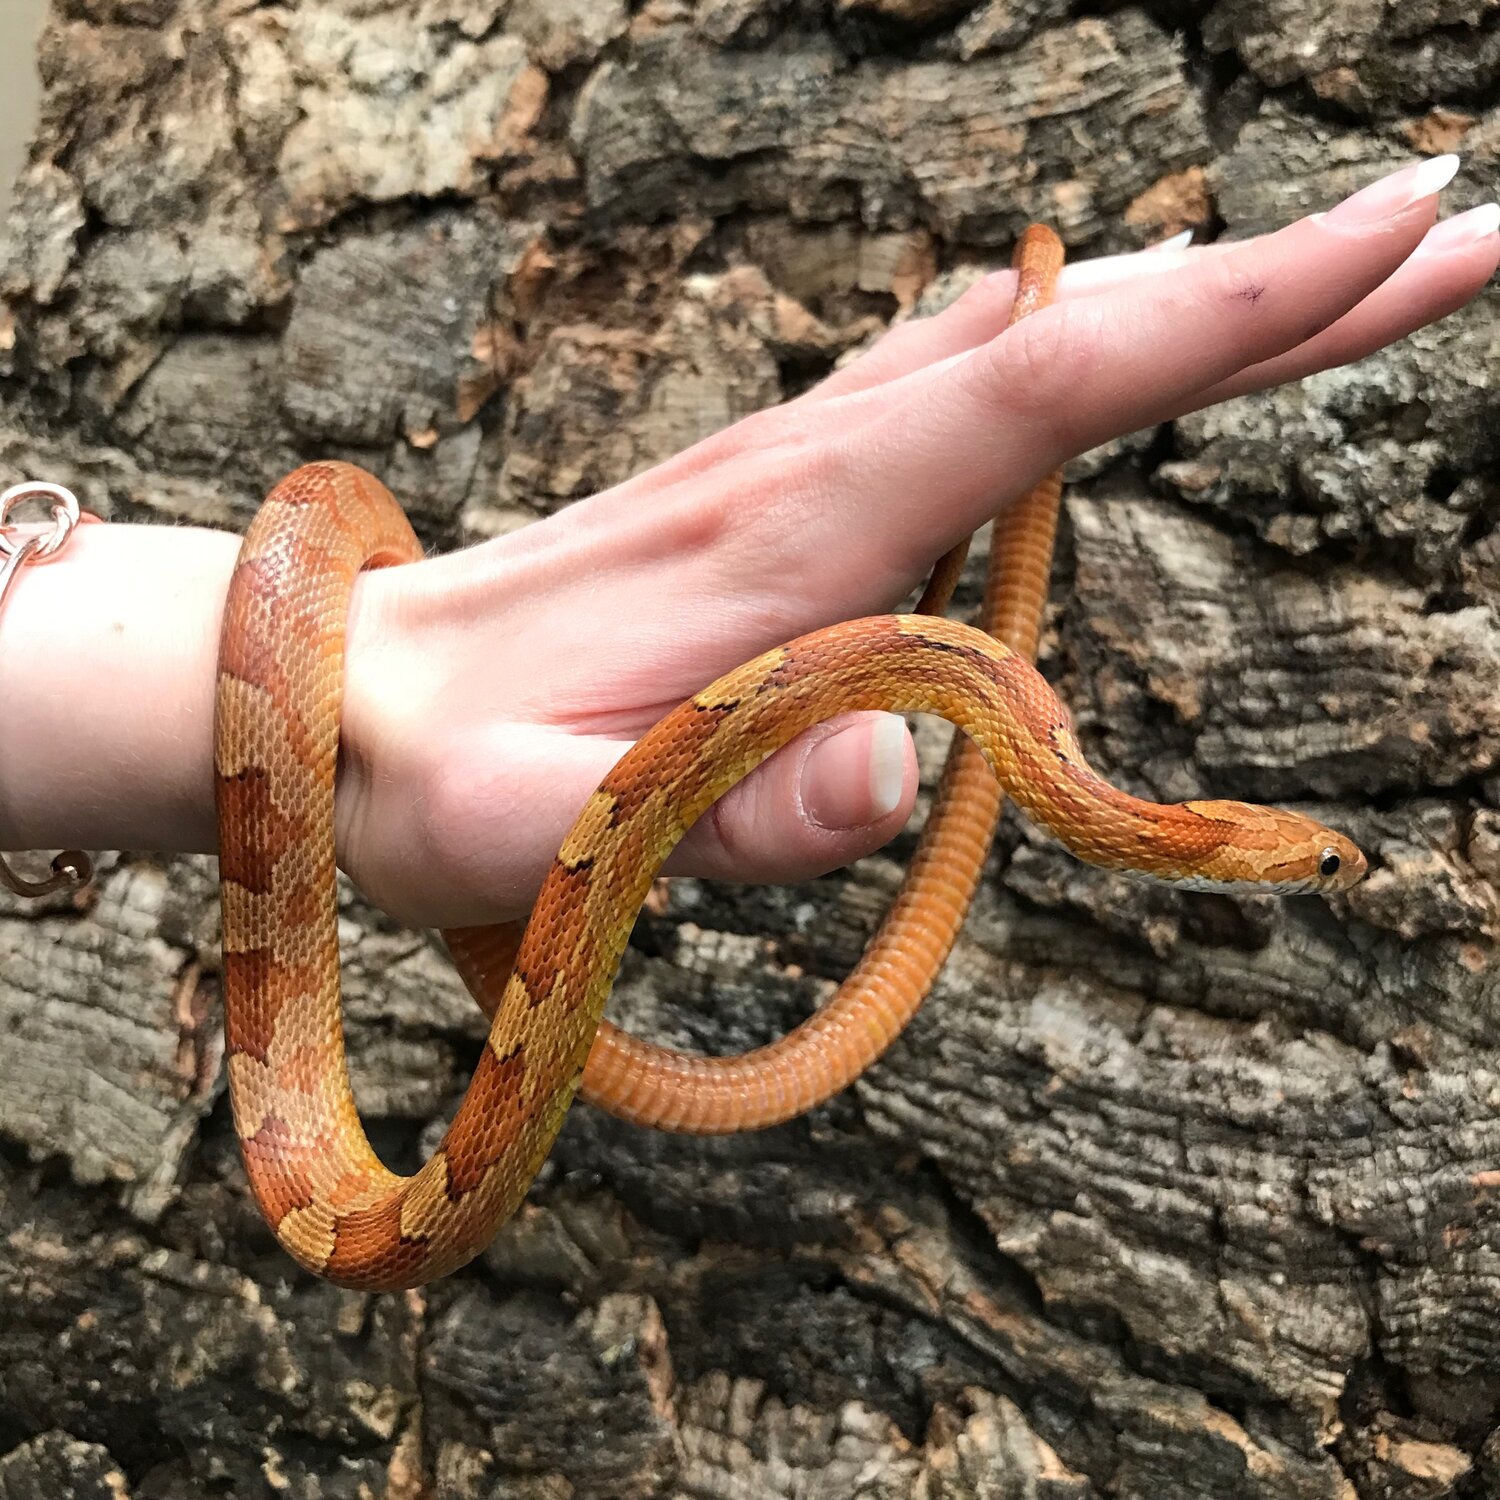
x=1177, y=242
x=887, y=765
x=1398, y=191
x=856, y=777
x=1462, y=229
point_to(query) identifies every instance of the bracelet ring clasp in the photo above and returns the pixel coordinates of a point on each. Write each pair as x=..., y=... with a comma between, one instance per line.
x=36, y=543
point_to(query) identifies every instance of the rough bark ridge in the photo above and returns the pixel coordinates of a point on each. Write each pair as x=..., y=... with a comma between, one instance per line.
x=1162, y=1196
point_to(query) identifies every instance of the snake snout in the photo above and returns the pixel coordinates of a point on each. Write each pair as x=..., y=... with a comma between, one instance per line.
x=1271, y=850
x=1341, y=864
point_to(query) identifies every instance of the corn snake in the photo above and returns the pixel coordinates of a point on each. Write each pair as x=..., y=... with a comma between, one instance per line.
x=331, y=1202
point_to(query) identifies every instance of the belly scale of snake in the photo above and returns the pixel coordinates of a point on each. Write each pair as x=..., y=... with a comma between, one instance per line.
x=330, y=1200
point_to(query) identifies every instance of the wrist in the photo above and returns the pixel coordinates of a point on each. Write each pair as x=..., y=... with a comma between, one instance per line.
x=107, y=663
x=451, y=803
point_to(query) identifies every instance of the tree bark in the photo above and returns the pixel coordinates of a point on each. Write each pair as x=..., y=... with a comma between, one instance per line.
x=1162, y=1195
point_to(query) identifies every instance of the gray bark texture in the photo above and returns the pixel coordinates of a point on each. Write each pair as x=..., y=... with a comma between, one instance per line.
x=1162, y=1195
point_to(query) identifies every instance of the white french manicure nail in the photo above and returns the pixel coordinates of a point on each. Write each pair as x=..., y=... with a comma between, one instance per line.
x=887, y=765
x=1462, y=229
x=1396, y=192
x=1177, y=242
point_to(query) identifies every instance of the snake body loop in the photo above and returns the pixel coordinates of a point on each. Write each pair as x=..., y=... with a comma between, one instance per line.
x=332, y=1203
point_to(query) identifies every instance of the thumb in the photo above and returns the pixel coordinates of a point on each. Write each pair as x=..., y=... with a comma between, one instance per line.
x=834, y=794
x=472, y=843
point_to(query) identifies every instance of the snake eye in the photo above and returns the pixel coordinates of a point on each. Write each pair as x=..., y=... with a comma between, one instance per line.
x=1328, y=866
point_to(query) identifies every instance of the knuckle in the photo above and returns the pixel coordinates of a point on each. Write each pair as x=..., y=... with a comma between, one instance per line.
x=751, y=477
x=728, y=828
x=735, y=844
x=772, y=427
x=1035, y=360
x=758, y=831
x=731, y=444
x=800, y=463
x=1041, y=366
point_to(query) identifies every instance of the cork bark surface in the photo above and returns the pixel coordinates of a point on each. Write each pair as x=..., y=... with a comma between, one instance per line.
x=1162, y=1196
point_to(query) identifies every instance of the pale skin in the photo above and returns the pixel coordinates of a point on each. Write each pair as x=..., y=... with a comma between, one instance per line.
x=490, y=690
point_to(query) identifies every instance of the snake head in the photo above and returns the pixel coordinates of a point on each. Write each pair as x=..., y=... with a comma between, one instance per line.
x=1266, y=849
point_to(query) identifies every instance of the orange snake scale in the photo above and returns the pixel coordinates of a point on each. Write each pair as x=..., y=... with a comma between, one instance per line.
x=330, y=1200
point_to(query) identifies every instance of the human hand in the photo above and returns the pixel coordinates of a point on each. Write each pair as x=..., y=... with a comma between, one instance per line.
x=491, y=690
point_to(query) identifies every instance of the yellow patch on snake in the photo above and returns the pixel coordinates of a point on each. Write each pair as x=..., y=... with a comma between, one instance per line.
x=548, y=1055
x=730, y=689
x=588, y=833
x=301, y=1095
x=252, y=721
x=250, y=920
x=426, y=1205
x=266, y=919
x=515, y=1000
x=309, y=1233
x=256, y=1093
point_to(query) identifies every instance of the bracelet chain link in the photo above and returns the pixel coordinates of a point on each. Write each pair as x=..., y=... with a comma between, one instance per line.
x=39, y=542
